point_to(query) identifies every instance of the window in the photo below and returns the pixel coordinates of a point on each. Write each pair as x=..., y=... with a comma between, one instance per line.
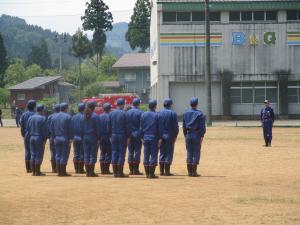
x=271, y=15
x=130, y=77
x=259, y=16
x=21, y=97
x=260, y=95
x=292, y=15
x=235, y=16
x=198, y=16
x=183, y=16
x=169, y=17
x=235, y=96
x=294, y=92
x=246, y=16
x=247, y=95
x=215, y=16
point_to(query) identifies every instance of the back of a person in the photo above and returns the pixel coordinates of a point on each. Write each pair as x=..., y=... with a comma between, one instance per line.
x=104, y=125
x=36, y=125
x=149, y=123
x=76, y=125
x=61, y=125
x=118, y=121
x=134, y=119
x=194, y=121
x=168, y=122
x=24, y=119
x=90, y=125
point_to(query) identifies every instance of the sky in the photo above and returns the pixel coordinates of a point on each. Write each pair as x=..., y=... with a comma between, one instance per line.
x=61, y=15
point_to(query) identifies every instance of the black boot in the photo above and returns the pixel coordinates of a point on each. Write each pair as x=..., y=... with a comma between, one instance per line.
x=76, y=167
x=53, y=166
x=266, y=142
x=92, y=171
x=189, y=169
x=152, y=172
x=33, y=168
x=162, y=169
x=120, y=171
x=80, y=168
x=102, y=168
x=131, y=168
x=194, y=171
x=167, y=168
x=28, y=166
x=63, y=171
x=38, y=170
x=107, y=165
x=147, y=171
x=87, y=170
x=136, y=169
x=58, y=170
x=115, y=170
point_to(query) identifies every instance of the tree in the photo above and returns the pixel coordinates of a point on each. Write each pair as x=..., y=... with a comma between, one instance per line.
x=4, y=96
x=81, y=48
x=3, y=61
x=138, y=34
x=106, y=64
x=15, y=74
x=33, y=71
x=97, y=18
x=39, y=55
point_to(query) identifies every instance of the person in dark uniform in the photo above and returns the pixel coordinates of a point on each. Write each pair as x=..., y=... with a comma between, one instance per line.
x=56, y=110
x=90, y=139
x=119, y=132
x=105, y=144
x=1, y=118
x=150, y=138
x=194, y=130
x=38, y=132
x=168, y=128
x=31, y=104
x=135, y=144
x=267, y=119
x=77, y=136
x=62, y=133
x=18, y=114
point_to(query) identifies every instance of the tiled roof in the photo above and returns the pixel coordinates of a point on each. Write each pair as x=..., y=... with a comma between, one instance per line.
x=34, y=83
x=134, y=60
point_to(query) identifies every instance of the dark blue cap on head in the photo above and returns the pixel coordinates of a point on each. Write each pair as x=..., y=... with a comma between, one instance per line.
x=120, y=102
x=136, y=102
x=91, y=105
x=106, y=106
x=152, y=104
x=31, y=104
x=194, y=101
x=40, y=107
x=168, y=102
x=64, y=106
x=81, y=107
x=56, y=108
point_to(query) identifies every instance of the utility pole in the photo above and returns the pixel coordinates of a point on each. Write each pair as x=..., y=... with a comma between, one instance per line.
x=208, y=66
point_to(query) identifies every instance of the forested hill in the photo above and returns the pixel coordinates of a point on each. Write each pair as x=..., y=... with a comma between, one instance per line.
x=20, y=36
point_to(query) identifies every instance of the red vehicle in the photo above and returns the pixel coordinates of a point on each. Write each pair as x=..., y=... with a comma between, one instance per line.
x=112, y=99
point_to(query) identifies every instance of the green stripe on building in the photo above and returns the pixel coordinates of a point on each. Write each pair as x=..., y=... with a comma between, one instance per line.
x=227, y=6
x=186, y=34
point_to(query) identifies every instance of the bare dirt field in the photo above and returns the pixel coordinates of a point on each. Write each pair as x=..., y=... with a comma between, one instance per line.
x=242, y=183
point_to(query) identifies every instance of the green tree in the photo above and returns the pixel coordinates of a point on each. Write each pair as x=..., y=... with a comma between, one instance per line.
x=3, y=61
x=4, y=96
x=97, y=18
x=39, y=55
x=106, y=64
x=138, y=34
x=33, y=71
x=81, y=48
x=48, y=102
x=15, y=74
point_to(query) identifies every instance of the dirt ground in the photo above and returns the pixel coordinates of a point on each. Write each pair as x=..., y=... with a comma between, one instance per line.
x=242, y=183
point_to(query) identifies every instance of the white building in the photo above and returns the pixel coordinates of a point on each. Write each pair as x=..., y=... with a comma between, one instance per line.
x=255, y=55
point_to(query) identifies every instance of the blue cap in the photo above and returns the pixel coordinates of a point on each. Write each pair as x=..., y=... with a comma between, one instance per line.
x=40, y=107
x=194, y=101
x=168, y=102
x=81, y=107
x=56, y=108
x=136, y=102
x=91, y=105
x=120, y=102
x=31, y=104
x=64, y=106
x=152, y=104
x=106, y=106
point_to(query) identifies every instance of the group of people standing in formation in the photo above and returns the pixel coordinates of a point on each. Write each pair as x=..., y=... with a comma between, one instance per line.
x=114, y=131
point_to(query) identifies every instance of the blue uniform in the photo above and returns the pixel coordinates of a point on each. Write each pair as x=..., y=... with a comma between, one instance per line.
x=61, y=131
x=194, y=129
x=119, y=133
x=150, y=135
x=24, y=132
x=104, y=135
x=51, y=138
x=267, y=118
x=168, y=129
x=77, y=136
x=38, y=133
x=90, y=139
x=135, y=145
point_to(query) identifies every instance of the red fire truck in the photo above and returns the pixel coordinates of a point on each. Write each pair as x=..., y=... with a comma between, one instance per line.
x=111, y=99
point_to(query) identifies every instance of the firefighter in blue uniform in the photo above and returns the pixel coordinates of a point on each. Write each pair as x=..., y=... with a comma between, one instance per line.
x=90, y=139
x=267, y=118
x=61, y=131
x=38, y=133
x=119, y=132
x=135, y=144
x=56, y=110
x=194, y=130
x=76, y=125
x=105, y=144
x=31, y=104
x=150, y=138
x=168, y=128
